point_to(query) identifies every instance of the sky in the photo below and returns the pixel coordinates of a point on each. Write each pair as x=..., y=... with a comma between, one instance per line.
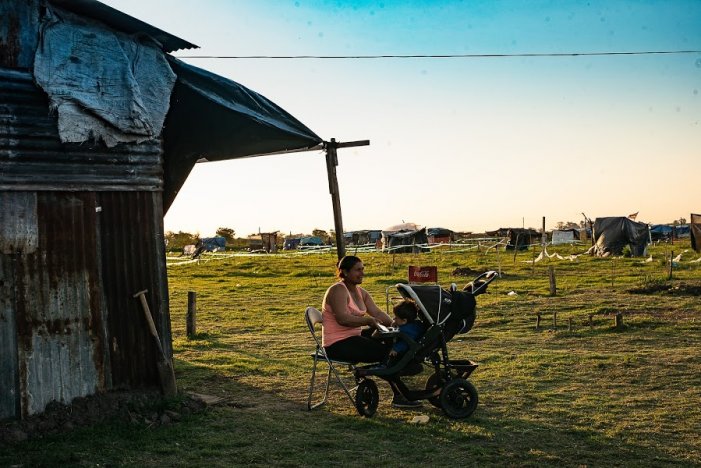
x=470, y=144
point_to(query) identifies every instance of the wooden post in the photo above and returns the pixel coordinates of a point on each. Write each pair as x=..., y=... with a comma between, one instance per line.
x=554, y=319
x=331, y=163
x=613, y=270
x=542, y=237
x=671, y=264
x=537, y=321
x=569, y=324
x=551, y=275
x=618, y=321
x=496, y=248
x=191, y=318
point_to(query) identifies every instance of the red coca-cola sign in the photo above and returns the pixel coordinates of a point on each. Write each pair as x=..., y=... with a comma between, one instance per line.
x=423, y=274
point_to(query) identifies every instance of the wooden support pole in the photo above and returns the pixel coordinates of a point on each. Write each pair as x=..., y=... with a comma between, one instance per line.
x=537, y=321
x=569, y=324
x=555, y=319
x=671, y=264
x=191, y=318
x=331, y=163
x=551, y=275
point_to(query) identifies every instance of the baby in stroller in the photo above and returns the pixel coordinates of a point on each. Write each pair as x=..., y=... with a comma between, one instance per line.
x=405, y=314
x=441, y=314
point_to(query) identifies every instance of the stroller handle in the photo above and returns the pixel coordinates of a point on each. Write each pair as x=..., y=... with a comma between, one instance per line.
x=488, y=277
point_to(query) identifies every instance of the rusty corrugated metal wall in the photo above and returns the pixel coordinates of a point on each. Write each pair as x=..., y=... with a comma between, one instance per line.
x=56, y=305
x=80, y=232
x=32, y=156
x=133, y=259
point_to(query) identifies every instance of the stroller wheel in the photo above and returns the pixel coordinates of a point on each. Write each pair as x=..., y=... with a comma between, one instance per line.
x=366, y=398
x=458, y=398
x=434, y=382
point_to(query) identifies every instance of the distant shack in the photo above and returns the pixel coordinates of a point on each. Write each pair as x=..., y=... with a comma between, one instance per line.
x=263, y=242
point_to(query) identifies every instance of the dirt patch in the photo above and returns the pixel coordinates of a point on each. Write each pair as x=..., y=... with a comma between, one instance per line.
x=466, y=271
x=144, y=408
x=681, y=289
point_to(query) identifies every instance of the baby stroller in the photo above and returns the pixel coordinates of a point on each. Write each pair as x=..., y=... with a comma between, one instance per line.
x=444, y=314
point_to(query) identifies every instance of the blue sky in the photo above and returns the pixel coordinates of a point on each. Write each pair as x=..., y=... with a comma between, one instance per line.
x=465, y=143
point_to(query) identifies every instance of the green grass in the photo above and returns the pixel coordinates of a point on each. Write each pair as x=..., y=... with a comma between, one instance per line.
x=590, y=396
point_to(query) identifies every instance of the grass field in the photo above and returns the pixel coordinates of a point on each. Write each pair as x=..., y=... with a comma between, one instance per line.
x=592, y=395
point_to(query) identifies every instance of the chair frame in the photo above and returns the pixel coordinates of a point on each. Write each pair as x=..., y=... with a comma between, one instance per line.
x=313, y=316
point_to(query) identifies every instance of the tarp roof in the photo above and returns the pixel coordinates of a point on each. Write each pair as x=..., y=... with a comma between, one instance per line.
x=311, y=240
x=415, y=241
x=214, y=118
x=402, y=227
x=207, y=117
x=438, y=231
x=612, y=234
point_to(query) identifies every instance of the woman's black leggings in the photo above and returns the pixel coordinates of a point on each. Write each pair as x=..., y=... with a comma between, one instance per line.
x=361, y=348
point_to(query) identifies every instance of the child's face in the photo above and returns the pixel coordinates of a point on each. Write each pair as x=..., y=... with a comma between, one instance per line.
x=398, y=321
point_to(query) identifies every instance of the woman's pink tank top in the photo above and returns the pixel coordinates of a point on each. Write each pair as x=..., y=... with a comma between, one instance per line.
x=332, y=331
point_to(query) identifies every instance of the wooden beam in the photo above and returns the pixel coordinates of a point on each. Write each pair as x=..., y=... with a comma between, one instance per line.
x=349, y=144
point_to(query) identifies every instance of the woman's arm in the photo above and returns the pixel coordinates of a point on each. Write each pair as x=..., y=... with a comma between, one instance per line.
x=337, y=299
x=375, y=311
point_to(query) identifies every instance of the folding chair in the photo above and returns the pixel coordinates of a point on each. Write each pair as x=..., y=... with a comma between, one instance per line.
x=312, y=316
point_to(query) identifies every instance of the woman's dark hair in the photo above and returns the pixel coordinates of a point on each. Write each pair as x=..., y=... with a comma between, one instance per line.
x=346, y=263
x=407, y=310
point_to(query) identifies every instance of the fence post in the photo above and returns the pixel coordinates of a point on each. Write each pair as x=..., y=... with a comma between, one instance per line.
x=555, y=320
x=613, y=270
x=537, y=321
x=191, y=318
x=551, y=275
x=671, y=264
x=619, y=321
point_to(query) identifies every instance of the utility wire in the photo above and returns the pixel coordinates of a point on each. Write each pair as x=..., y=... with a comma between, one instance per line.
x=564, y=54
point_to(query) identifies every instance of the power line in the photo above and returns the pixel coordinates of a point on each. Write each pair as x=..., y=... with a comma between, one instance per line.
x=443, y=56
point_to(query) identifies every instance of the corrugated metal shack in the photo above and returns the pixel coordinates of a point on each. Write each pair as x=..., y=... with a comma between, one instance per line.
x=83, y=190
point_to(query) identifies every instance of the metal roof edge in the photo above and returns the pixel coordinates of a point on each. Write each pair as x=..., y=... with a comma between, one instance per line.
x=123, y=22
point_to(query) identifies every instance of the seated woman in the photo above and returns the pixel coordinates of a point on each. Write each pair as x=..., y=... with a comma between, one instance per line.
x=346, y=309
